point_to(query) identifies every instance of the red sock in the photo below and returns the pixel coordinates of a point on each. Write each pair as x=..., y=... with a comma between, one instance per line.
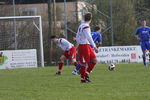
x=60, y=65
x=83, y=71
x=90, y=67
x=75, y=63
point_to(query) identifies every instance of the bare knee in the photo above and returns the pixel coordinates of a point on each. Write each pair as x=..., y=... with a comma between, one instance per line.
x=62, y=58
x=74, y=60
x=144, y=53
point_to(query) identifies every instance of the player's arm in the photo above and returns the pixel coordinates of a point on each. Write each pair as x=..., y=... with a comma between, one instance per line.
x=137, y=37
x=99, y=39
x=88, y=36
x=87, y=33
x=137, y=34
x=74, y=38
x=149, y=32
x=98, y=45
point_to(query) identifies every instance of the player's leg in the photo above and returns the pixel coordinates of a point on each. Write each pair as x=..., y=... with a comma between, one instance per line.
x=75, y=63
x=84, y=57
x=149, y=55
x=148, y=49
x=60, y=65
x=83, y=72
x=91, y=64
x=78, y=66
x=144, y=57
x=72, y=55
x=89, y=57
x=143, y=47
x=93, y=60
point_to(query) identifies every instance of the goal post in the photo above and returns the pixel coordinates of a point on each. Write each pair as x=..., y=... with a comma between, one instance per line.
x=28, y=34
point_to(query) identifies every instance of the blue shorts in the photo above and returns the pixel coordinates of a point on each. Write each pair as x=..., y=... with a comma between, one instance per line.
x=145, y=45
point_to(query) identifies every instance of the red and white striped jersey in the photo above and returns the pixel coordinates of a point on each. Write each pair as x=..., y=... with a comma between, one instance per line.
x=64, y=44
x=83, y=35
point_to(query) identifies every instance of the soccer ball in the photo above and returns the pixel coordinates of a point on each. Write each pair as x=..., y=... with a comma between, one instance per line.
x=111, y=67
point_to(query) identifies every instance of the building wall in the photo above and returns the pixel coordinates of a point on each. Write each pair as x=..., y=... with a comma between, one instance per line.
x=40, y=9
x=74, y=10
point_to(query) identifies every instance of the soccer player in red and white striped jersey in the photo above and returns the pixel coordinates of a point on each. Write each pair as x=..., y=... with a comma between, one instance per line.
x=86, y=53
x=69, y=52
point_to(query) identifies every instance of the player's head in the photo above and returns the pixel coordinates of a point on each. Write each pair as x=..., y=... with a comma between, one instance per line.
x=54, y=38
x=88, y=17
x=143, y=22
x=97, y=29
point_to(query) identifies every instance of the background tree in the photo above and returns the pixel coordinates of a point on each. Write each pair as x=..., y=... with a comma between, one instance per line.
x=142, y=10
x=124, y=21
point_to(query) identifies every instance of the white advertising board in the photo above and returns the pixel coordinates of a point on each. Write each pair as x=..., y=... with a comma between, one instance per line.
x=18, y=59
x=119, y=54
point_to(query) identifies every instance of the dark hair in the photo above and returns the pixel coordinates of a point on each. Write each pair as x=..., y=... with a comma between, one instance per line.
x=97, y=28
x=53, y=36
x=87, y=16
x=142, y=19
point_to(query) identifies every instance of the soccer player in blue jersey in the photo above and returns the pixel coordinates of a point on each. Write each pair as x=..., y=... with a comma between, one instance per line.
x=97, y=38
x=143, y=35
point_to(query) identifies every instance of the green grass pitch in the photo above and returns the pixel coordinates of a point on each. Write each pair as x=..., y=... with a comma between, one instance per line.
x=127, y=82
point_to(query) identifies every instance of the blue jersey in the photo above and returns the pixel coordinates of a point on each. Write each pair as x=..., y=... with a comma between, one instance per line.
x=143, y=33
x=97, y=37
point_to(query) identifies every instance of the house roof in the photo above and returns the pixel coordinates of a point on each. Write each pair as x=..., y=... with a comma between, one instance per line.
x=31, y=1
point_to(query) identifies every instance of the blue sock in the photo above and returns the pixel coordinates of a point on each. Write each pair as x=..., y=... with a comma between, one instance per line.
x=78, y=67
x=144, y=60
